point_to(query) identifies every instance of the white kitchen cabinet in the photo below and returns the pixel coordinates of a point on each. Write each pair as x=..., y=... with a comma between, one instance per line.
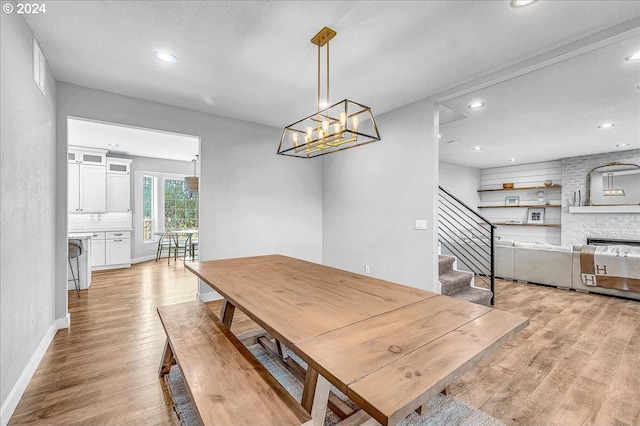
x=121, y=166
x=73, y=187
x=93, y=188
x=118, y=185
x=87, y=181
x=118, y=250
x=83, y=155
x=98, y=249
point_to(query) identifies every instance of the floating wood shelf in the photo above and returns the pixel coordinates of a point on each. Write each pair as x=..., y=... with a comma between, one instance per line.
x=548, y=225
x=522, y=188
x=516, y=207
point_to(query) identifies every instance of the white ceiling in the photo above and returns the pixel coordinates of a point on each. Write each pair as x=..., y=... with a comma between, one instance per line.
x=132, y=140
x=551, y=113
x=253, y=60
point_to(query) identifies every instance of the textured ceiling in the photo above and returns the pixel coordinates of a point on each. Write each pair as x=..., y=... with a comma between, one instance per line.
x=551, y=113
x=254, y=61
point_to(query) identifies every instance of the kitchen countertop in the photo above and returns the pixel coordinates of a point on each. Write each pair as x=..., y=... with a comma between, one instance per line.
x=93, y=231
x=80, y=235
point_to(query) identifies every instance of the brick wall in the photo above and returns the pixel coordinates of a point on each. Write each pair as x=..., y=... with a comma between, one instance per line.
x=577, y=227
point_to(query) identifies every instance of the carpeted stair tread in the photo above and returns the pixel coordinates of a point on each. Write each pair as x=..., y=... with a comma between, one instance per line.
x=454, y=281
x=445, y=264
x=475, y=295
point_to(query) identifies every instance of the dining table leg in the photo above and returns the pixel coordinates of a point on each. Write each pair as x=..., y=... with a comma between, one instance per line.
x=226, y=313
x=308, y=392
x=315, y=396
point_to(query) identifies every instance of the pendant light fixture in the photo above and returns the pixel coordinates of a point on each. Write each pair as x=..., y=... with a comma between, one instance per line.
x=610, y=191
x=192, y=181
x=343, y=125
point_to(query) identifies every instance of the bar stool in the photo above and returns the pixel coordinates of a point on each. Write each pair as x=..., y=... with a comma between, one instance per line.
x=75, y=250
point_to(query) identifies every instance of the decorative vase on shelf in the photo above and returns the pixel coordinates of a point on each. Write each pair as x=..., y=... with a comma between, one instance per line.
x=548, y=182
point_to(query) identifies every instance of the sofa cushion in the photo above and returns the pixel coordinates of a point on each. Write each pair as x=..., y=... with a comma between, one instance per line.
x=540, y=246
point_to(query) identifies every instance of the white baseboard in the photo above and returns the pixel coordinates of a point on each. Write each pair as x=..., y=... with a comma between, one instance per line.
x=64, y=322
x=18, y=389
x=145, y=258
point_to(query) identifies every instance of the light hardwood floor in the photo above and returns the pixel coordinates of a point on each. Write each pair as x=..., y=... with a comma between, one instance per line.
x=577, y=363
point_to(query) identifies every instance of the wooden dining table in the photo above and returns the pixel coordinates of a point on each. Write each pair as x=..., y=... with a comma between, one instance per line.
x=386, y=346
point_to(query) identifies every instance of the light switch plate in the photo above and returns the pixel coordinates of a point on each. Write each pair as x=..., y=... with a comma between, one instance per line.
x=420, y=224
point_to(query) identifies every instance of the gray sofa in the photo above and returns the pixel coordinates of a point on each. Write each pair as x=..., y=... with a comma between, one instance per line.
x=541, y=263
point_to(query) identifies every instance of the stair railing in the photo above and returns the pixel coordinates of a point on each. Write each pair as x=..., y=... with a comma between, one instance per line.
x=467, y=235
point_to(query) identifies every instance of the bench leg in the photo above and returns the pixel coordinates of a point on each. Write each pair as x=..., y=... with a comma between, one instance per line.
x=226, y=313
x=423, y=408
x=166, y=361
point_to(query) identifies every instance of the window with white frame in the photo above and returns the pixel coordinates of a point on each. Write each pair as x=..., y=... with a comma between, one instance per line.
x=180, y=206
x=147, y=207
x=167, y=205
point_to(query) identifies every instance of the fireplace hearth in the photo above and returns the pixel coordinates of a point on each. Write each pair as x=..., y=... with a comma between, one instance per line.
x=611, y=242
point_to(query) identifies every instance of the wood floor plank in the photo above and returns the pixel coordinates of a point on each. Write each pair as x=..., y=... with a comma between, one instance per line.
x=544, y=375
x=546, y=365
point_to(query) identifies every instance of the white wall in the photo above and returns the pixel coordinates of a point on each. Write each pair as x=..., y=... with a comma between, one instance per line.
x=523, y=175
x=461, y=181
x=27, y=211
x=252, y=201
x=373, y=194
x=576, y=228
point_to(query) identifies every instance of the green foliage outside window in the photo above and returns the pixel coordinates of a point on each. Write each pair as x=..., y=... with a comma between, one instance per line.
x=147, y=207
x=180, y=206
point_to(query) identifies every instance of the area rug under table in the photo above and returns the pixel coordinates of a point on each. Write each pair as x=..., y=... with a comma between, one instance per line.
x=441, y=409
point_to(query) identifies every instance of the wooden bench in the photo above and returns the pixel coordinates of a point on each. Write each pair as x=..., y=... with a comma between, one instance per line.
x=227, y=384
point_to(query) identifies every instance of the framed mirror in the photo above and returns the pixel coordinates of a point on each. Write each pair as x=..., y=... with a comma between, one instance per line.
x=614, y=184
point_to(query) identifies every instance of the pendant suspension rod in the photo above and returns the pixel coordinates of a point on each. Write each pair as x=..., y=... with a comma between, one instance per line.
x=318, y=79
x=327, y=100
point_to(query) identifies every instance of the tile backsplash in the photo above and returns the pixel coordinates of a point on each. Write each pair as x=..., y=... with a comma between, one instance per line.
x=98, y=221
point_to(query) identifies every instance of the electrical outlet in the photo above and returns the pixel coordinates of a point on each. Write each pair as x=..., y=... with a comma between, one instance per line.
x=366, y=269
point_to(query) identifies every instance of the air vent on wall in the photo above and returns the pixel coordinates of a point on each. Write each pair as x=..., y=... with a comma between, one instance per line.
x=39, y=67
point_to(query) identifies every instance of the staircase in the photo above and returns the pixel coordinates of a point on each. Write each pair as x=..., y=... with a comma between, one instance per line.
x=459, y=284
x=468, y=239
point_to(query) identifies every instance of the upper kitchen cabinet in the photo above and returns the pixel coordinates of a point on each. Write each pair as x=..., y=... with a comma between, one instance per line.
x=118, y=184
x=87, y=181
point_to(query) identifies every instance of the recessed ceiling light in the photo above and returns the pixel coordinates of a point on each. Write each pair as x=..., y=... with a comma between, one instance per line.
x=476, y=148
x=476, y=105
x=452, y=142
x=638, y=87
x=165, y=57
x=621, y=145
x=440, y=136
x=113, y=144
x=634, y=57
x=606, y=125
x=521, y=3
x=513, y=160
